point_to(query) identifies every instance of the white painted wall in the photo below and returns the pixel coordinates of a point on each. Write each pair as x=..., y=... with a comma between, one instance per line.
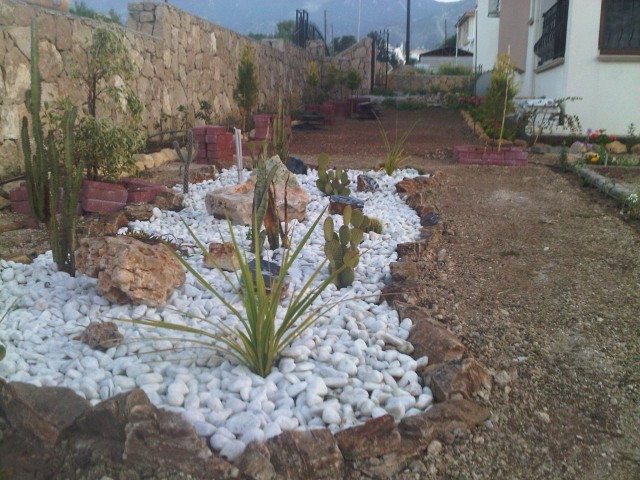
x=487, y=34
x=609, y=86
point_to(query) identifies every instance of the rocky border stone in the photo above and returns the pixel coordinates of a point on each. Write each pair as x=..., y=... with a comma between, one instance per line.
x=43, y=429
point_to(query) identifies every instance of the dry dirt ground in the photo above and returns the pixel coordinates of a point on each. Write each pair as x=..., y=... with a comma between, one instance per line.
x=541, y=281
x=540, y=278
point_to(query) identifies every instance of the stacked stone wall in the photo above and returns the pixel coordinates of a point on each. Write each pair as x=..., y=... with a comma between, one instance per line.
x=182, y=59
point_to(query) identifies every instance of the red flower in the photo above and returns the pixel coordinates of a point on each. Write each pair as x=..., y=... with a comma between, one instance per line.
x=595, y=135
x=613, y=138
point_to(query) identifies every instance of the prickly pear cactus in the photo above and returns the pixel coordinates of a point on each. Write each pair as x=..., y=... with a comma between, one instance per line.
x=335, y=182
x=341, y=248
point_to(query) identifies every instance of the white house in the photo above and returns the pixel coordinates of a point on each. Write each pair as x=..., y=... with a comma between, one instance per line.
x=569, y=48
x=487, y=31
x=466, y=31
x=588, y=49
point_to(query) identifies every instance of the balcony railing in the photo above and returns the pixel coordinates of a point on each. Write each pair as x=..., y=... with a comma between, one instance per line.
x=553, y=40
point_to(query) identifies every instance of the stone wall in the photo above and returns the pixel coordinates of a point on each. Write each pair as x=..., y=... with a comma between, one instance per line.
x=182, y=59
x=426, y=83
x=358, y=57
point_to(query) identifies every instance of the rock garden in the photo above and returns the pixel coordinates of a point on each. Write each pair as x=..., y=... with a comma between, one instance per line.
x=370, y=313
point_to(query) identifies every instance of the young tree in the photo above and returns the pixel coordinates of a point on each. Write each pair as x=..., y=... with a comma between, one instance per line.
x=342, y=43
x=82, y=10
x=246, y=91
x=107, y=57
x=285, y=29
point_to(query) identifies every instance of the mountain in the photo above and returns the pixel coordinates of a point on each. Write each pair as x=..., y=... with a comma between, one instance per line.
x=261, y=16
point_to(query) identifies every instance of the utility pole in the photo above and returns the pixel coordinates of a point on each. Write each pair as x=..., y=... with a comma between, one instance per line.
x=407, y=45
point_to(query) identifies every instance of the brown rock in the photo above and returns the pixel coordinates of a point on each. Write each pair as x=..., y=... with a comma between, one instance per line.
x=635, y=149
x=404, y=271
x=418, y=199
x=138, y=211
x=376, y=437
x=101, y=335
x=465, y=379
x=616, y=148
x=20, y=258
x=416, y=432
x=100, y=225
x=407, y=292
x=431, y=338
x=441, y=421
x=412, y=250
x=431, y=234
x=236, y=202
x=168, y=199
x=407, y=185
x=109, y=418
x=129, y=270
x=10, y=227
x=41, y=412
x=299, y=455
x=223, y=256
x=254, y=463
x=159, y=438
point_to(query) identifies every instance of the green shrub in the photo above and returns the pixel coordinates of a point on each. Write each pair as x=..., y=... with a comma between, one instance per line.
x=454, y=70
x=395, y=150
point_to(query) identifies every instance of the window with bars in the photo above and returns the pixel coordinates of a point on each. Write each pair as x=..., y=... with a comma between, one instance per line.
x=620, y=27
x=494, y=8
x=552, y=42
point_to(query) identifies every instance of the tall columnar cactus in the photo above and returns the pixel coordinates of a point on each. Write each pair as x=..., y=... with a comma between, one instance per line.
x=332, y=182
x=53, y=176
x=341, y=247
x=186, y=160
x=36, y=163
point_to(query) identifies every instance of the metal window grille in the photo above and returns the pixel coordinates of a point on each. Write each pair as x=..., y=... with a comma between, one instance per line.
x=553, y=40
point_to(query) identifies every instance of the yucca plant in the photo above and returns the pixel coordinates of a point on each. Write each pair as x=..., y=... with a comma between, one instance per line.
x=257, y=343
x=395, y=151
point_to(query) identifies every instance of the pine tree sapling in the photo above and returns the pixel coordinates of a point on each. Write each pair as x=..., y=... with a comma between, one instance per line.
x=246, y=91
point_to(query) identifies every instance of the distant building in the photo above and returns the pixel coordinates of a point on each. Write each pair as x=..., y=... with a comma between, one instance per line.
x=434, y=59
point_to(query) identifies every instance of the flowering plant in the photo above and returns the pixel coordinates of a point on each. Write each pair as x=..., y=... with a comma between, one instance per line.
x=600, y=137
x=633, y=203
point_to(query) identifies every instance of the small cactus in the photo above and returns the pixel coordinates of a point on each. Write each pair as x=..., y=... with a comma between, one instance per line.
x=372, y=224
x=332, y=182
x=341, y=248
x=186, y=160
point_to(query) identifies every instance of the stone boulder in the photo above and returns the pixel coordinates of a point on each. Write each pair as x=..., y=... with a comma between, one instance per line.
x=236, y=202
x=101, y=335
x=223, y=256
x=459, y=379
x=636, y=149
x=42, y=413
x=129, y=270
x=616, y=148
x=305, y=455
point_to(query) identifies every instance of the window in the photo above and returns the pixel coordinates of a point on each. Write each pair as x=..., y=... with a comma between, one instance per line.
x=620, y=27
x=553, y=40
x=494, y=8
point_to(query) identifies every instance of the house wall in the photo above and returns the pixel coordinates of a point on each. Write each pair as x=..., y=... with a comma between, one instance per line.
x=487, y=36
x=514, y=18
x=466, y=34
x=607, y=85
x=182, y=59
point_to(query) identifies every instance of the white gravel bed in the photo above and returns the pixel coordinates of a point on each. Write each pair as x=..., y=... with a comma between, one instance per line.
x=340, y=373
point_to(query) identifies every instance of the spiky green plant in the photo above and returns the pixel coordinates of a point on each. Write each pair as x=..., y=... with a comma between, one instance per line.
x=395, y=149
x=258, y=341
x=281, y=132
x=332, y=182
x=53, y=174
